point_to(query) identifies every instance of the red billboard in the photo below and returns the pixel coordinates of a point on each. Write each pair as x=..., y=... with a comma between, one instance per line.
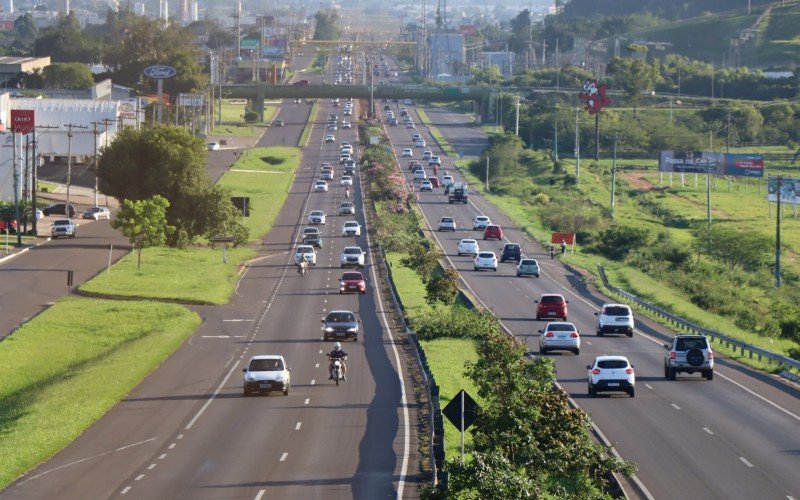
x=22, y=121
x=557, y=238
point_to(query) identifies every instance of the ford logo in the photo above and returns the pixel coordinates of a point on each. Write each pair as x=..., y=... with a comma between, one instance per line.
x=160, y=71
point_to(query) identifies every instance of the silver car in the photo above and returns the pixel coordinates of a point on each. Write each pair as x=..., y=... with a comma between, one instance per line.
x=689, y=353
x=559, y=336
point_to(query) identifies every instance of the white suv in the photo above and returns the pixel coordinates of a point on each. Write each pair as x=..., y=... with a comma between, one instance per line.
x=615, y=318
x=480, y=222
x=266, y=374
x=308, y=251
x=611, y=373
x=352, y=256
x=447, y=224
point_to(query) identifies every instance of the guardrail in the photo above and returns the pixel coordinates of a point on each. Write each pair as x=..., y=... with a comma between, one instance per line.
x=730, y=342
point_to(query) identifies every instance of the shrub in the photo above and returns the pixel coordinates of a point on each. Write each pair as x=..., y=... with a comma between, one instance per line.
x=443, y=287
x=454, y=322
x=619, y=240
x=422, y=259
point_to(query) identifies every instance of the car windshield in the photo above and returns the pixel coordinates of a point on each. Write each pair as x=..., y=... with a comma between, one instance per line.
x=608, y=364
x=526, y=262
x=447, y=219
x=341, y=317
x=561, y=327
x=616, y=311
x=305, y=250
x=352, y=251
x=316, y=212
x=352, y=277
x=691, y=343
x=310, y=230
x=481, y=219
x=266, y=365
x=62, y=223
x=320, y=183
x=512, y=248
x=351, y=224
x=553, y=299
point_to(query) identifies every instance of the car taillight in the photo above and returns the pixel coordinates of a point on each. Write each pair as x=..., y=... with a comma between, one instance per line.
x=574, y=335
x=549, y=334
x=672, y=355
x=629, y=371
x=710, y=355
x=596, y=371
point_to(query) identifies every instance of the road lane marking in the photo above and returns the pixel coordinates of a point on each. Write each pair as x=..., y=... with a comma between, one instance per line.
x=151, y=466
x=162, y=456
x=297, y=426
x=283, y=457
x=306, y=401
x=260, y=494
x=313, y=381
x=222, y=336
x=708, y=430
x=210, y=399
x=317, y=366
x=125, y=490
x=172, y=445
x=675, y=406
x=649, y=386
x=139, y=477
x=235, y=320
x=746, y=462
x=180, y=436
x=76, y=462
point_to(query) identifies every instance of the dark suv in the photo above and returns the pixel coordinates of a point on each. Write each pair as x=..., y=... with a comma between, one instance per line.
x=689, y=353
x=340, y=325
x=59, y=209
x=511, y=251
x=311, y=236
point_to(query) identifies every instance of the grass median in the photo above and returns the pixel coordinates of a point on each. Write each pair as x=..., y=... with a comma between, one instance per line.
x=233, y=124
x=306, y=135
x=437, y=136
x=70, y=365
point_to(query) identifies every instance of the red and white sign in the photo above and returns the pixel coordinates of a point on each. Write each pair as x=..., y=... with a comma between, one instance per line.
x=557, y=238
x=22, y=121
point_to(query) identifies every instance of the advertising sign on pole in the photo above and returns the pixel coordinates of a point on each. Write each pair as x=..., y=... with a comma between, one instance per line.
x=744, y=165
x=160, y=72
x=708, y=162
x=789, y=187
x=22, y=121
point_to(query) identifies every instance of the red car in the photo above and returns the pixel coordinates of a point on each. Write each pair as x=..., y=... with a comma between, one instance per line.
x=434, y=181
x=551, y=305
x=493, y=231
x=353, y=282
x=411, y=164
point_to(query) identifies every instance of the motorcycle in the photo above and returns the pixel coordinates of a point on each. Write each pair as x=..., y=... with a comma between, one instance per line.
x=552, y=252
x=347, y=193
x=302, y=268
x=338, y=369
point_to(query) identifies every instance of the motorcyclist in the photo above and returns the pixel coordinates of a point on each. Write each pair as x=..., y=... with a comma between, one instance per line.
x=552, y=250
x=347, y=191
x=337, y=353
x=302, y=264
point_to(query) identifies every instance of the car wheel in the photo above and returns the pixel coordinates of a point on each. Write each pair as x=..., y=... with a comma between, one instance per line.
x=459, y=254
x=536, y=275
x=245, y=393
x=577, y=352
x=518, y=275
x=599, y=333
x=286, y=391
x=671, y=374
x=474, y=268
x=632, y=392
x=630, y=333
x=709, y=374
x=592, y=392
x=355, y=339
x=72, y=235
x=538, y=318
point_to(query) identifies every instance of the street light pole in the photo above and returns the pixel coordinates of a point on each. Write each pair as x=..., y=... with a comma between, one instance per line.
x=614, y=178
x=516, y=125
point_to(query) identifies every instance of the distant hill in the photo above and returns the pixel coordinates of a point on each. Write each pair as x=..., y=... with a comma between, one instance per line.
x=667, y=9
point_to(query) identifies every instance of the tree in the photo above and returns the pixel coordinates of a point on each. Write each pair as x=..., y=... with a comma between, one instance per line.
x=68, y=76
x=443, y=288
x=423, y=260
x=144, y=222
x=169, y=162
x=520, y=32
x=634, y=77
x=26, y=28
x=67, y=42
x=327, y=25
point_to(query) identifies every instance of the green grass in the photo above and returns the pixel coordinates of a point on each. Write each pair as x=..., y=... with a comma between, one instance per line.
x=409, y=286
x=306, y=135
x=67, y=367
x=437, y=136
x=195, y=275
x=48, y=186
x=268, y=177
x=233, y=120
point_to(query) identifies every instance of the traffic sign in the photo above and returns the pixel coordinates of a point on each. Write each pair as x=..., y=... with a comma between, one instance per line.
x=453, y=410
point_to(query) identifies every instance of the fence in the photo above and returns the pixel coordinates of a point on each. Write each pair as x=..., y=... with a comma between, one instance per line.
x=783, y=361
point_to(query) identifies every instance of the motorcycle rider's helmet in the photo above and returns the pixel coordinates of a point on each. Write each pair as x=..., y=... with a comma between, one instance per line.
x=337, y=346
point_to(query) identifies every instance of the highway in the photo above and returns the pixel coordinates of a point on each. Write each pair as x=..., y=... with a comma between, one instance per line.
x=188, y=432
x=737, y=436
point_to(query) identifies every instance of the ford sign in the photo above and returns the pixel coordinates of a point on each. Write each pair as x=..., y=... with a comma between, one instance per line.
x=160, y=71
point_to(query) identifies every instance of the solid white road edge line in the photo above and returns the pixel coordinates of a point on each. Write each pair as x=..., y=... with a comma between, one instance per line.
x=260, y=494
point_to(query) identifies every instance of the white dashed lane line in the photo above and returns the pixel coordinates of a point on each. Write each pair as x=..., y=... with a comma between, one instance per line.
x=298, y=425
x=139, y=477
x=675, y=406
x=649, y=386
x=162, y=456
x=151, y=466
x=125, y=490
x=306, y=401
x=709, y=431
x=746, y=462
x=260, y=494
x=283, y=457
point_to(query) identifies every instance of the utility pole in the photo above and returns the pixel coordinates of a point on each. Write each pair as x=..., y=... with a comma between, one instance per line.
x=614, y=177
x=70, y=126
x=577, y=148
x=516, y=124
x=487, y=174
x=16, y=188
x=778, y=238
x=94, y=160
x=728, y=140
x=555, y=127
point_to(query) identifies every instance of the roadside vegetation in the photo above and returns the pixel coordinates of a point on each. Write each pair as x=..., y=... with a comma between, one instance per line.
x=238, y=120
x=97, y=351
x=312, y=117
x=514, y=449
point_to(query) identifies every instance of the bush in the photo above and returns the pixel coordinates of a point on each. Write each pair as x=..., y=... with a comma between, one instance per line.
x=618, y=241
x=443, y=288
x=422, y=259
x=454, y=322
x=250, y=115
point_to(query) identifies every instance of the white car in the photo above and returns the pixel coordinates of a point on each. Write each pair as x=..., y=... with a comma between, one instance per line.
x=346, y=149
x=615, y=318
x=321, y=186
x=559, y=336
x=426, y=155
x=330, y=138
x=308, y=251
x=434, y=160
x=347, y=208
x=468, y=246
x=447, y=180
x=62, y=227
x=316, y=217
x=426, y=186
x=408, y=153
x=266, y=374
x=325, y=165
x=346, y=180
x=352, y=256
x=327, y=175
x=407, y=102
x=611, y=374
x=485, y=260
x=351, y=228
x=420, y=174
x=420, y=143
x=480, y=222
x=343, y=157
x=213, y=146
x=97, y=213
x=448, y=224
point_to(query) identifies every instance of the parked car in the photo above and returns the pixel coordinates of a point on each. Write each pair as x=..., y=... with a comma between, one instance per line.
x=615, y=318
x=340, y=325
x=213, y=146
x=551, y=305
x=468, y=246
x=316, y=217
x=266, y=373
x=480, y=222
x=690, y=354
x=528, y=267
x=308, y=251
x=62, y=227
x=353, y=282
x=351, y=228
x=559, y=336
x=59, y=209
x=511, y=251
x=97, y=213
x=611, y=374
x=447, y=224
x=493, y=231
x=347, y=208
x=485, y=260
x=352, y=256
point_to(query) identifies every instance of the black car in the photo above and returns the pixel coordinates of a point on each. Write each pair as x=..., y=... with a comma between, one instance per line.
x=59, y=209
x=340, y=325
x=350, y=167
x=311, y=236
x=511, y=251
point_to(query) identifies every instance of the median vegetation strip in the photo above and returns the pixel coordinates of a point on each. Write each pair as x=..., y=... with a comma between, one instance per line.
x=67, y=367
x=437, y=136
x=306, y=135
x=239, y=121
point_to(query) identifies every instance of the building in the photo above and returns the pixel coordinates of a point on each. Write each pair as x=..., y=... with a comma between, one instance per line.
x=505, y=61
x=447, y=55
x=63, y=7
x=10, y=67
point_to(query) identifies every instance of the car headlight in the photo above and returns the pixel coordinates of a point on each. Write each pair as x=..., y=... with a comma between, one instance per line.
x=352, y=330
x=342, y=284
x=328, y=329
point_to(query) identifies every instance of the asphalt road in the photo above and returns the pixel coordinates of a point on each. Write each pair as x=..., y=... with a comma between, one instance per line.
x=187, y=431
x=737, y=436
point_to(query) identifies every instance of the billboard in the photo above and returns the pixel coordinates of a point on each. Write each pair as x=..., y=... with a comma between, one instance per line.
x=701, y=162
x=22, y=121
x=790, y=190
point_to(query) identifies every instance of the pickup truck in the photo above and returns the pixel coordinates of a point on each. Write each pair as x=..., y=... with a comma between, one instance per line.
x=62, y=227
x=457, y=193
